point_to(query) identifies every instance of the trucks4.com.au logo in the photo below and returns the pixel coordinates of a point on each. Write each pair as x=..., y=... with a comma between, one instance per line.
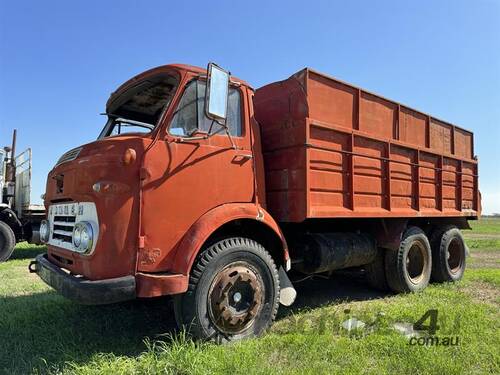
x=420, y=327
x=422, y=332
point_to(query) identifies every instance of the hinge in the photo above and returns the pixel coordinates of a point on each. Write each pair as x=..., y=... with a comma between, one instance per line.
x=142, y=240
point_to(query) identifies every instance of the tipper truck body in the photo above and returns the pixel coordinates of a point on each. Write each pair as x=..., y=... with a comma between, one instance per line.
x=333, y=150
x=202, y=188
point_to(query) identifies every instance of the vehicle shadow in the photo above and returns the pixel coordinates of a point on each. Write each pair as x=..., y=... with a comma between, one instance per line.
x=28, y=253
x=340, y=287
x=45, y=328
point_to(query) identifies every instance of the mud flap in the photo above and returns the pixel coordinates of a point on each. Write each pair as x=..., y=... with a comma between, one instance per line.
x=287, y=291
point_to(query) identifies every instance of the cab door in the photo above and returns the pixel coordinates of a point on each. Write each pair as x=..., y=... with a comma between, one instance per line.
x=184, y=177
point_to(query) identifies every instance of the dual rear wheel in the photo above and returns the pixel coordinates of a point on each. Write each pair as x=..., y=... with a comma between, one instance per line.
x=418, y=261
x=448, y=255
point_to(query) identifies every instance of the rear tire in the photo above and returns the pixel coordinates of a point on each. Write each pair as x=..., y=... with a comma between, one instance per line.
x=233, y=292
x=375, y=272
x=448, y=255
x=7, y=241
x=408, y=269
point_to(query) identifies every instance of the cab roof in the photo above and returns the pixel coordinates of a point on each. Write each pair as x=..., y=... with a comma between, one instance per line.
x=180, y=68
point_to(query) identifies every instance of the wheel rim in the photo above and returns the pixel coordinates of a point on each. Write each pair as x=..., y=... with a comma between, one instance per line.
x=235, y=298
x=416, y=262
x=454, y=256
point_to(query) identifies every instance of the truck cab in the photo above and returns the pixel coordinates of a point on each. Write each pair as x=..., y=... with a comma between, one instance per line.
x=130, y=211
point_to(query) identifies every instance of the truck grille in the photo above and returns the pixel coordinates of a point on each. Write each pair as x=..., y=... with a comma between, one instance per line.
x=70, y=155
x=63, y=228
x=63, y=218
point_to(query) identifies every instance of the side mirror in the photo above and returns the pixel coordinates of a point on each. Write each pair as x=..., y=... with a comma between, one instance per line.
x=217, y=93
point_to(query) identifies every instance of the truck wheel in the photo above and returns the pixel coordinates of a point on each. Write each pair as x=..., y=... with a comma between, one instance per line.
x=375, y=272
x=7, y=241
x=408, y=269
x=448, y=254
x=233, y=292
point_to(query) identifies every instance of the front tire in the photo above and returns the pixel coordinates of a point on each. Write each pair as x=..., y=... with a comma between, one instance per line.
x=7, y=241
x=233, y=292
x=408, y=269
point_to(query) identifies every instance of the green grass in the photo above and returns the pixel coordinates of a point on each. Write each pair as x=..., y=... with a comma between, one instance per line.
x=485, y=234
x=486, y=225
x=41, y=332
x=484, y=244
x=487, y=275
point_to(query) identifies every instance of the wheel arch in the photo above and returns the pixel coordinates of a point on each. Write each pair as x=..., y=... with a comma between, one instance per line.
x=236, y=219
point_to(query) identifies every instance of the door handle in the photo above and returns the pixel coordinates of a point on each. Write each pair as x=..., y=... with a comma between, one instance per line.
x=241, y=158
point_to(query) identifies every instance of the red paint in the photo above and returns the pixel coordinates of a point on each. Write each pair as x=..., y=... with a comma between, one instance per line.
x=333, y=150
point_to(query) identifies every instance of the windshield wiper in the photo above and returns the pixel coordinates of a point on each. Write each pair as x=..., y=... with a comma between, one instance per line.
x=131, y=122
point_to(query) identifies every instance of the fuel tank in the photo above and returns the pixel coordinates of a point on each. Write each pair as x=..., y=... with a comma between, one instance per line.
x=323, y=252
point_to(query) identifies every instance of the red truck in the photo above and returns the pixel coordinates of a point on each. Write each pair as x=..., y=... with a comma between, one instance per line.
x=203, y=188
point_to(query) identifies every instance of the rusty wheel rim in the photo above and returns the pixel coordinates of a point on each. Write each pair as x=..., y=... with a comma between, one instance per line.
x=235, y=298
x=454, y=256
x=416, y=262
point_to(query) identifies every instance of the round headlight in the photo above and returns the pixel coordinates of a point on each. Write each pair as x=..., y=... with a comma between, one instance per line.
x=83, y=236
x=44, y=231
x=87, y=237
x=77, y=235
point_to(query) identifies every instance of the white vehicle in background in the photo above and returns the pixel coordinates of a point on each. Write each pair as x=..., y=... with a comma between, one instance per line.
x=19, y=219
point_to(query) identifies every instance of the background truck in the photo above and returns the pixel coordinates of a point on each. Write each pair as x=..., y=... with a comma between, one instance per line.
x=202, y=188
x=19, y=219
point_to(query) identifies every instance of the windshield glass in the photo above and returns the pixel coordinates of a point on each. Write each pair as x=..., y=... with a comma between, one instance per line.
x=139, y=109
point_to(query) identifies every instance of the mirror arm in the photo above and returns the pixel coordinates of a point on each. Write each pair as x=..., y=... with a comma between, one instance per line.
x=211, y=126
x=230, y=138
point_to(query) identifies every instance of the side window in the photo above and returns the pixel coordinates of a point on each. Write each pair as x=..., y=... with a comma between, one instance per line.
x=185, y=118
x=190, y=114
x=234, y=112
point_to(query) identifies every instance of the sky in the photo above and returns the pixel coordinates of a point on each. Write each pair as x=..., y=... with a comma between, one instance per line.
x=60, y=60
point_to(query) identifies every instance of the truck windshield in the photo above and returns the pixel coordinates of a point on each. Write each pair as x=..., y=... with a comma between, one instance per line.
x=139, y=108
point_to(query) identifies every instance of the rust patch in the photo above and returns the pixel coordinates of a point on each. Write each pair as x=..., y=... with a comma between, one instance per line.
x=149, y=256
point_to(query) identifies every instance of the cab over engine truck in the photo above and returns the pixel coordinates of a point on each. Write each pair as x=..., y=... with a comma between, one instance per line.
x=202, y=188
x=19, y=219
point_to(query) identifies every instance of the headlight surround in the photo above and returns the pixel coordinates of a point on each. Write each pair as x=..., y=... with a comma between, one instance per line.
x=44, y=231
x=83, y=236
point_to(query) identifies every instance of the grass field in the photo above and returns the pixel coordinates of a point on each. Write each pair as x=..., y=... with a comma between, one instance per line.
x=41, y=332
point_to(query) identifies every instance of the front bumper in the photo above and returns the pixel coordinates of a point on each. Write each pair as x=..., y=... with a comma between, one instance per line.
x=81, y=290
